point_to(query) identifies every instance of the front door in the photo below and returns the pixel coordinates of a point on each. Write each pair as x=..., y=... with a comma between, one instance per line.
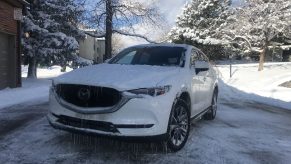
x=197, y=85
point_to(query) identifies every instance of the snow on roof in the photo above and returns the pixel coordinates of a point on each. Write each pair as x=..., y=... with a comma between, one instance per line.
x=101, y=39
x=256, y=49
x=285, y=47
x=88, y=29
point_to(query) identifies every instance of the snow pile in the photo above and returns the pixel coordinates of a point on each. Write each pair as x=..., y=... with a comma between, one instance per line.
x=33, y=91
x=251, y=85
x=82, y=61
x=47, y=73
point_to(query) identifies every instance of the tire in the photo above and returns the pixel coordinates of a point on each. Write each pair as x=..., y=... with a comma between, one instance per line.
x=211, y=113
x=178, y=126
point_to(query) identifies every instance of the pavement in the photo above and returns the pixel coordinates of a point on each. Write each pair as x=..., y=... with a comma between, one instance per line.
x=243, y=132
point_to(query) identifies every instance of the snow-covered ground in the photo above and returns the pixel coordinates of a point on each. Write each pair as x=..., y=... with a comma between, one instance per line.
x=242, y=133
x=251, y=85
x=246, y=83
x=33, y=91
x=246, y=130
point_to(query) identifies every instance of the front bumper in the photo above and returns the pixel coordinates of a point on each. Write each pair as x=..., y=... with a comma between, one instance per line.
x=57, y=125
x=139, y=117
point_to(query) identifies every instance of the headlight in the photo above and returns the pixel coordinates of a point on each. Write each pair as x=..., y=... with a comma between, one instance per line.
x=156, y=91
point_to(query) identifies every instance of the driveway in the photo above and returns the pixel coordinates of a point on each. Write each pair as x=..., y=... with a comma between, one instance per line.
x=243, y=132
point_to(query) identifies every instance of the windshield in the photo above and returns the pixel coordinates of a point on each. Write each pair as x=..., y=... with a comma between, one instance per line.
x=160, y=56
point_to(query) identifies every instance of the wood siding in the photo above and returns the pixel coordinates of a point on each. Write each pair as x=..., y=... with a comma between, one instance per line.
x=7, y=22
x=10, y=32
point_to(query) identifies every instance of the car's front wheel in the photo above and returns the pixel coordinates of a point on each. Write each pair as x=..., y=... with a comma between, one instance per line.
x=179, y=126
x=211, y=113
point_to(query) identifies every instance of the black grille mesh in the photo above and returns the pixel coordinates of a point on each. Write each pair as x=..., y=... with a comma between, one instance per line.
x=88, y=96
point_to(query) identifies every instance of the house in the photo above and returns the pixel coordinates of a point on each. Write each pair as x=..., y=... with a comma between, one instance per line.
x=91, y=48
x=280, y=49
x=286, y=54
x=279, y=53
x=10, y=68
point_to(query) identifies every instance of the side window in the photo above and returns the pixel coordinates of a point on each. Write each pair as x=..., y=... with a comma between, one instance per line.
x=144, y=58
x=127, y=59
x=203, y=57
x=194, y=57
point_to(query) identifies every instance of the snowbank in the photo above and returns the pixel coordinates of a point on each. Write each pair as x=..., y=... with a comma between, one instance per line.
x=252, y=85
x=48, y=73
x=33, y=91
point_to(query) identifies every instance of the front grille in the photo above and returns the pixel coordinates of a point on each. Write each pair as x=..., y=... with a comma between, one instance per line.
x=88, y=96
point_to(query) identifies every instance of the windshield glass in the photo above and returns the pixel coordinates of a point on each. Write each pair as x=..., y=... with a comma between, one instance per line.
x=160, y=56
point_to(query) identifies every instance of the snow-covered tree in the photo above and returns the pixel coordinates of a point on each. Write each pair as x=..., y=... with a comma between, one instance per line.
x=258, y=23
x=200, y=24
x=50, y=33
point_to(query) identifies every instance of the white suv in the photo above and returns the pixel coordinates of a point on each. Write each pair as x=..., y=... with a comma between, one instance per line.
x=148, y=91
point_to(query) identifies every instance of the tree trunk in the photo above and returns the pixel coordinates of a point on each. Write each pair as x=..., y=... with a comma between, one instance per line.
x=262, y=56
x=64, y=68
x=64, y=64
x=265, y=48
x=109, y=26
x=32, y=67
x=262, y=60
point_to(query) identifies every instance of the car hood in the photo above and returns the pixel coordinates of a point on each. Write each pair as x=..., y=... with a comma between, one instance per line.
x=120, y=77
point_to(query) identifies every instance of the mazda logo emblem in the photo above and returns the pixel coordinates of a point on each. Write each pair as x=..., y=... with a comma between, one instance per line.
x=84, y=94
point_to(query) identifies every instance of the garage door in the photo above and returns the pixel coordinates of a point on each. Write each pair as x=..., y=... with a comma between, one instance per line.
x=4, y=51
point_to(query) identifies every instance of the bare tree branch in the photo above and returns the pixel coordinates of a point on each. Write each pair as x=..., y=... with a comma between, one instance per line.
x=134, y=35
x=110, y=15
x=121, y=33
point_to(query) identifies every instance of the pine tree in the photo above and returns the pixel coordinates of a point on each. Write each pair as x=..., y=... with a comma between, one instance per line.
x=51, y=33
x=200, y=23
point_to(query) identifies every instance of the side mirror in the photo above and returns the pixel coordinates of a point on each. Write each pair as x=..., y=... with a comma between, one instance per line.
x=201, y=66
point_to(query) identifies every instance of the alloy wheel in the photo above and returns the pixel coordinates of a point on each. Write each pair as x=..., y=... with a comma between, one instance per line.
x=179, y=126
x=214, y=105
